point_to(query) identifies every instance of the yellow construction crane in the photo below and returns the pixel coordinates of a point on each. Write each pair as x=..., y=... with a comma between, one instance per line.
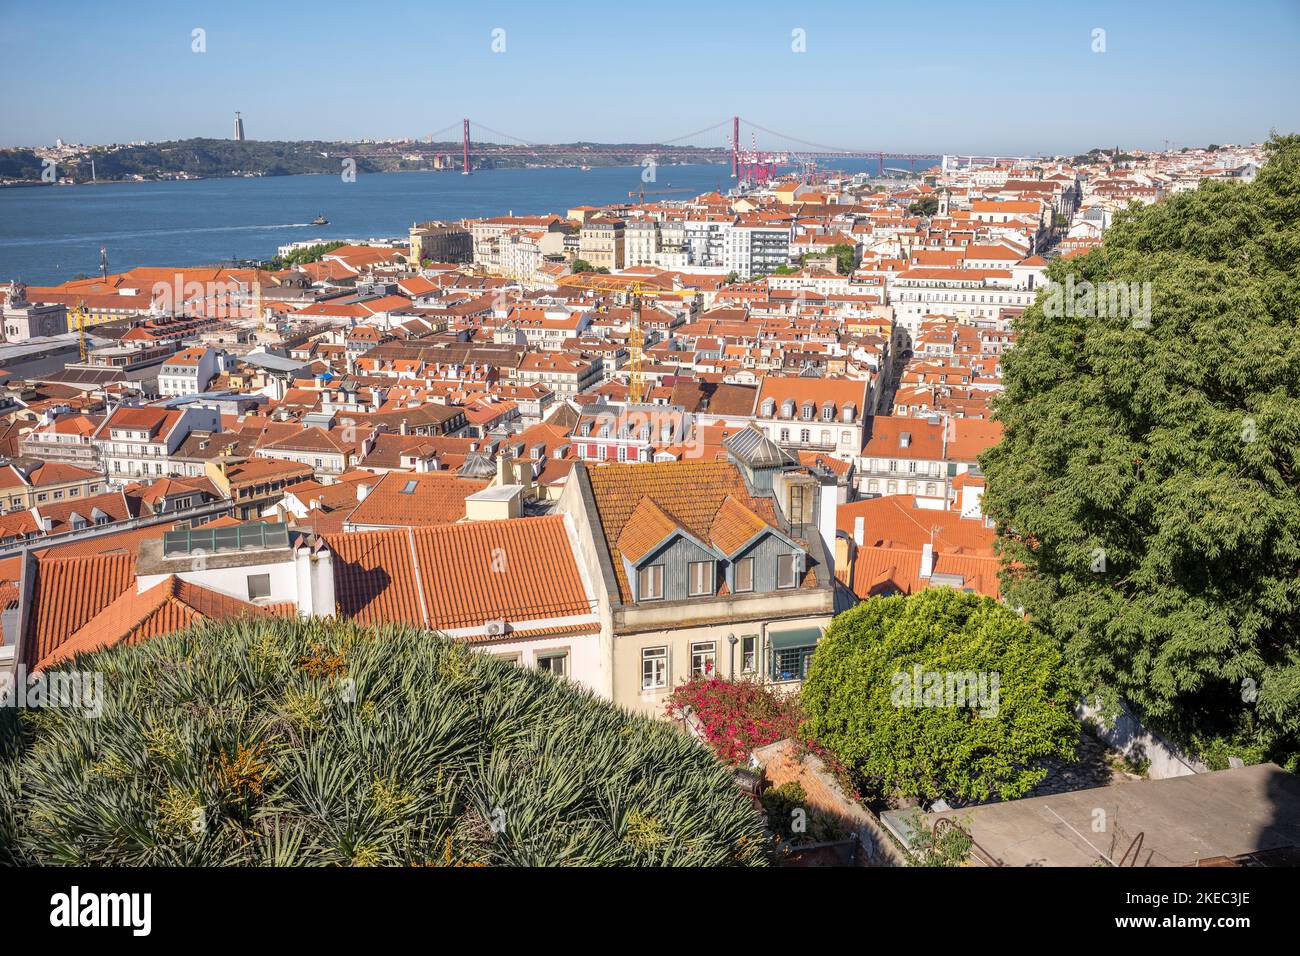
x=80, y=316
x=596, y=282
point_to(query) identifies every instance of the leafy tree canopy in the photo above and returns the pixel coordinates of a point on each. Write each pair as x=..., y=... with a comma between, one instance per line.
x=925, y=206
x=304, y=255
x=1147, y=487
x=941, y=694
x=309, y=743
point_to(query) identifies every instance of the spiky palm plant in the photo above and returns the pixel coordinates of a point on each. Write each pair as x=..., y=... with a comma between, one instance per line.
x=323, y=743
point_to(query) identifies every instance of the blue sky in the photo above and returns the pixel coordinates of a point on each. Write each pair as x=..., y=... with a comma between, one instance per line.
x=928, y=77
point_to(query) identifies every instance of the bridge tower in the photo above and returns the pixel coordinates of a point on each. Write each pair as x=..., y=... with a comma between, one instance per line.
x=465, y=145
x=735, y=146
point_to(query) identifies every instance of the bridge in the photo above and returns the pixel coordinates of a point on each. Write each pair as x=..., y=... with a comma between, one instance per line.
x=757, y=161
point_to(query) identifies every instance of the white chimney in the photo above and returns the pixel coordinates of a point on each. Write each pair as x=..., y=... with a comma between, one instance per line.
x=363, y=489
x=859, y=530
x=927, y=560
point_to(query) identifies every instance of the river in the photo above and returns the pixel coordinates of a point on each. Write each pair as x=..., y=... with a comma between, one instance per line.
x=48, y=234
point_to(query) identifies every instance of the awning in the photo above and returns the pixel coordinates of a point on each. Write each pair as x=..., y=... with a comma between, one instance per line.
x=800, y=637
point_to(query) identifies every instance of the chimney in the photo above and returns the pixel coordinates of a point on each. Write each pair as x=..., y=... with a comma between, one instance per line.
x=859, y=530
x=927, y=560
x=844, y=557
x=403, y=428
x=363, y=489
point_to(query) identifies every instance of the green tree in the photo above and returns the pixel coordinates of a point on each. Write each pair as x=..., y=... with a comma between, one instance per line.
x=275, y=742
x=1147, y=487
x=845, y=257
x=925, y=206
x=942, y=694
x=582, y=265
x=303, y=256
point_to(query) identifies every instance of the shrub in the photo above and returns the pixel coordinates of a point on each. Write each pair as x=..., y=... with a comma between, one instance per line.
x=319, y=743
x=883, y=696
x=794, y=821
x=736, y=716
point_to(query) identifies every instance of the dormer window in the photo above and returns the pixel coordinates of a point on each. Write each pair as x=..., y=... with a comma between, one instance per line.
x=650, y=583
x=787, y=408
x=807, y=411
x=828, y=412
x=700, y=578
x=769, y=408
x=786, y=570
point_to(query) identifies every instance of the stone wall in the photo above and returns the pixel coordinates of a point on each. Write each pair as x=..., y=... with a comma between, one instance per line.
x=1125, y=733
x=782, y=765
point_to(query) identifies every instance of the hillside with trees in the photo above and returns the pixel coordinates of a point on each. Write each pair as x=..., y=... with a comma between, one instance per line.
x=1147, y=487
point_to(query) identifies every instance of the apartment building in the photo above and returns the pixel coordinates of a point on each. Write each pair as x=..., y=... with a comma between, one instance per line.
x=905, y=456
x=641, y=243
x=825, y=415
x=602, y=243
x=138, y=442
x=437, y=241
x=700, y=571
x=754, y=246
x=566, y=375
x=64, y=437
x=188, y=372
x=28, y=482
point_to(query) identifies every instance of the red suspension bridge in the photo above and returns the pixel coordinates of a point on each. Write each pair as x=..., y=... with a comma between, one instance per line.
x=766, y=153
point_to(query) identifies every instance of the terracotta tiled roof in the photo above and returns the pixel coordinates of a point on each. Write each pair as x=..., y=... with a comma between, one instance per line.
x=968, y=437
x=458, y=576
x=894, y=520
x=121, y=541
x=884, y=571
x=645, y=528
x=406, y=499
x=692, y=492
x=68, y=592
x=734, y=526
x=170, y=605
x=925, y=439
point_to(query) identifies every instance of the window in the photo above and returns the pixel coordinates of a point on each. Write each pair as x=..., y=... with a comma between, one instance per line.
x=704, y=659
x=744, y=575
x=785, y=570
x=553, y=662
x=410, y=486
x=259, y=586
x=651, y=582
x=749, y=653
x=700, y=574
x=654, y=668
x=791, y=653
